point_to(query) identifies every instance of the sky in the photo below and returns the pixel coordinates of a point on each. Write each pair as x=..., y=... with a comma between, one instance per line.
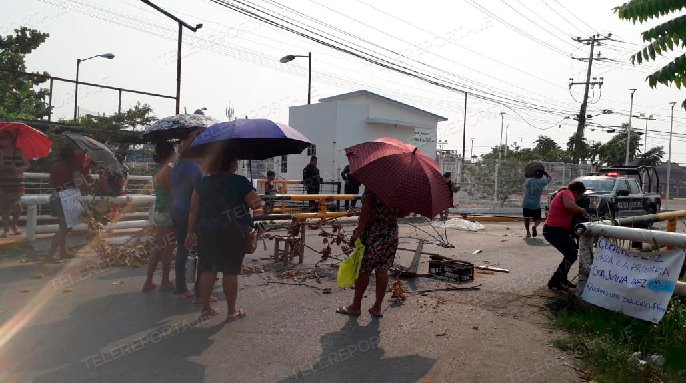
x=503, y=49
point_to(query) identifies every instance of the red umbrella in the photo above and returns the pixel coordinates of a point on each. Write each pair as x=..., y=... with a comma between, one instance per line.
x=400, y=175
x=32, y=143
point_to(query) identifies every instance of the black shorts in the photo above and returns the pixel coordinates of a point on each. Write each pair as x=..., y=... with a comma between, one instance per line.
x=532, y=213
x=221, y=250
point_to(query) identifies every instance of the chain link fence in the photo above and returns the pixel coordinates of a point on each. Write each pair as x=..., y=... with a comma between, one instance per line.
x=496, y=183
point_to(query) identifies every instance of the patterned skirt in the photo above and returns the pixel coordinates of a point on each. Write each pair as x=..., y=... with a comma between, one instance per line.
x=381, y=243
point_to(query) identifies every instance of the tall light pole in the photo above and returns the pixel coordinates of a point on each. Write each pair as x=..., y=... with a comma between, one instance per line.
x=669, y=156
x=500, y=154
x=628, y=133
x=506, y=147
x=642, y=116
x=471, y=151
x=289, y=58
x=182, y=25
x=108, y=56
x=500, y=146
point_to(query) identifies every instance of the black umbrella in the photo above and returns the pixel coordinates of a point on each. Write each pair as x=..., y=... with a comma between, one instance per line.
x=97, y=150
x=176, y=127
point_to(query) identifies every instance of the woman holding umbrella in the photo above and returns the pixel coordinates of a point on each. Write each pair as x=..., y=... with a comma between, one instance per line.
x=377, y=228
x=398, y=179
x=19, y=143
x=218, y=223
x=13, y=164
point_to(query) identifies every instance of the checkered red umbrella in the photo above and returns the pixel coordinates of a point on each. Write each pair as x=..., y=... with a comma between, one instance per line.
x=400, y=175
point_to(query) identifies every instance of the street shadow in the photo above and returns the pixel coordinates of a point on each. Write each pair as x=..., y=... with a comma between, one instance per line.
x=103, y=328
x=353, y=354
x=536, y=242
x=24, y=271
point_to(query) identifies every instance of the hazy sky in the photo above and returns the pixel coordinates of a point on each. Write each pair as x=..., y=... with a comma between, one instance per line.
x=519, y=49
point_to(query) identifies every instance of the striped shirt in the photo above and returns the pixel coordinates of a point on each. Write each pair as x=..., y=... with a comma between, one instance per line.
x=11, y=182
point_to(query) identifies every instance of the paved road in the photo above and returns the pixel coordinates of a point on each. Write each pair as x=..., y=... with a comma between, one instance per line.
x=104, y=330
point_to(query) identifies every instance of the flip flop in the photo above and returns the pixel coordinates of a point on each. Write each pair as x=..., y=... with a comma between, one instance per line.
x=345, y=311
x=17, y=232
x=205, y=315
x=375, y=315
x=238, y=314
x=167, y=287
x=148, y=287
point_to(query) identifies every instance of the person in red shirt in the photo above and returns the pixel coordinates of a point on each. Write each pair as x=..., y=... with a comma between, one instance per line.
x=558, y=231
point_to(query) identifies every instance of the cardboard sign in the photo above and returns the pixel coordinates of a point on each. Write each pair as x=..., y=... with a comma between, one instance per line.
x=71, y=206
x=636, y=284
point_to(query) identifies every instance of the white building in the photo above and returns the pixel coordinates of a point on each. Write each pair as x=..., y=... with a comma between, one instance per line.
x=342, y=121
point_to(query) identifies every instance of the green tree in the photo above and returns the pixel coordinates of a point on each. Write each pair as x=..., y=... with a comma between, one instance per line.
x=583, y=151
x=119, y=130
x=613, y=152
x=652, y=157
x=548, y=150
x=664, y=37
x=19, y=97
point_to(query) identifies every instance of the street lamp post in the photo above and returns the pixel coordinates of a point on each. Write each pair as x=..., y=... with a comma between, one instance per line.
x=628, y=133
x=108, y=56
x=669, y=158
x=471, y=151
x=289, y=58
x=642, y=116
x=497, y=162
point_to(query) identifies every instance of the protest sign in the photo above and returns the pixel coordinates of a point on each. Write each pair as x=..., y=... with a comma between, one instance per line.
x=71, y=206
x=636, y=284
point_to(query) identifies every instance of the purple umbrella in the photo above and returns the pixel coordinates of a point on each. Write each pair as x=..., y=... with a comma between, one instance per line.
x=251, y=139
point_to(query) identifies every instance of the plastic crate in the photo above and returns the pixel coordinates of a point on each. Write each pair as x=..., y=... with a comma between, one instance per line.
x=460, y=271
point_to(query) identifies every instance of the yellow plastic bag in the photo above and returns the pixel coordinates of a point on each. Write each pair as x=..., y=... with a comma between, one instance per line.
x=349, y=269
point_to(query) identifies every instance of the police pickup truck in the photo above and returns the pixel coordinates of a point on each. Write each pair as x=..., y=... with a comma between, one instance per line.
x=617, y=192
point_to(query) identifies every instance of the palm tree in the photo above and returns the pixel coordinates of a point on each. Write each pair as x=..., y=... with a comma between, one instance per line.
x=662, y=38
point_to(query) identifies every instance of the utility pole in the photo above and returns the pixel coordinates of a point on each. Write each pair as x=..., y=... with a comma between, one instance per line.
x=464, y=139
x=628, y=133
x=182, y=25
x=592, y=41
x=669, y=158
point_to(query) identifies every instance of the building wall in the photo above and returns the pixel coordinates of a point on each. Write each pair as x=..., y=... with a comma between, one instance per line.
x=335, y=125
x=426, y=138
x=318, y=123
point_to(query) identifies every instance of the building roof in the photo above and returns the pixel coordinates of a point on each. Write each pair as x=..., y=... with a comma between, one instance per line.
x=389, y=100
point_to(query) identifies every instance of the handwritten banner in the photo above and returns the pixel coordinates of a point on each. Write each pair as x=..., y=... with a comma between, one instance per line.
x=71, y=206
x=636, y=284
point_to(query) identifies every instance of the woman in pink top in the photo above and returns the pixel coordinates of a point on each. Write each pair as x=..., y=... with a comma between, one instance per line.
x=558, y=231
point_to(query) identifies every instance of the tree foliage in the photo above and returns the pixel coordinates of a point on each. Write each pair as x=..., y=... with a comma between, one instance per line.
x=19, y=97
x=665, y=37
x=120, y=129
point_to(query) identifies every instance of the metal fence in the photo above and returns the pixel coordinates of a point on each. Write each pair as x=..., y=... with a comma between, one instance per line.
x=500, y=183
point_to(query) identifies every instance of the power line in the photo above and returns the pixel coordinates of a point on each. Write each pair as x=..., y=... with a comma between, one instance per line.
x=454, y=42
x=253, y=12
x=514, y=28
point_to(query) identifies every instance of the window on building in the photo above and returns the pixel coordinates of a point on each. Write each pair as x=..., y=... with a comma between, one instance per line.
x=312, y=150
x=284, y=164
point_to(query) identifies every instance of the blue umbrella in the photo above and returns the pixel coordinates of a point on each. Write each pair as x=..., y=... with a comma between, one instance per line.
x=251, y=139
